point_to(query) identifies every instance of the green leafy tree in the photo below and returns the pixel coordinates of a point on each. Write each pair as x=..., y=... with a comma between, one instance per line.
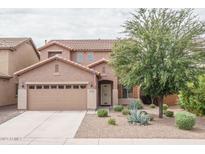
x=162, y=52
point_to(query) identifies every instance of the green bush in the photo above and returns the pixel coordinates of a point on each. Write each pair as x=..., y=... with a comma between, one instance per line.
x=118, y=108
x=165, y=107
x=111, y=121
x=140, y=117
x=185, y=120
x=125, y=112
x=169, y=113
x=135, y=105
x=102, y=113
x=152, y=106
x=193, y=98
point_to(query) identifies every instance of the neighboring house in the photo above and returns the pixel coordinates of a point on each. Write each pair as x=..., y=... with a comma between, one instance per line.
x=15, y=54
x=72, y=75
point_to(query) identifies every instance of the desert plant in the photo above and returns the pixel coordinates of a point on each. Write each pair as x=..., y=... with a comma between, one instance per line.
x=118, y=108
x=185, y=120
x=152, y=105
x=111, y=121
x=135, y=105
x=125, y=112
x=165, y=107
x=151, y=118
x=193, y=98
x=102, y=113
x=169, y=113
x=140, y=117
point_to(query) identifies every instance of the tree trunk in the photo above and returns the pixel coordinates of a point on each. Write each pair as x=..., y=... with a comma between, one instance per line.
x=160, y=107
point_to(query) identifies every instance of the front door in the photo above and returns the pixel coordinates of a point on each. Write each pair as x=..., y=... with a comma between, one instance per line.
x=105, y=94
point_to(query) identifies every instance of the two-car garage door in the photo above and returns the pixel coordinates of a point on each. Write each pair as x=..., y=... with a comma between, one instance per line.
x=57, y=97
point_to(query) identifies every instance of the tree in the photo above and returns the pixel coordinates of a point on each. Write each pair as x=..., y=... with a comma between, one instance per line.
x=162, y=52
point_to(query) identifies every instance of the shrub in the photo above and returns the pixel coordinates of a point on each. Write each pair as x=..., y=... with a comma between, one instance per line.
x=135, y=105
x=165, y=107
x=169, y=113
x=118, y=108
x=102, y=113
x=152, y=106
x=125, y=112
x=193, y=98
x=111, y=121
x=140, y=117
x=185, y=120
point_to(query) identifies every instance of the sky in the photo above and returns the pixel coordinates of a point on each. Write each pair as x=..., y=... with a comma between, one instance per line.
x=47, y=24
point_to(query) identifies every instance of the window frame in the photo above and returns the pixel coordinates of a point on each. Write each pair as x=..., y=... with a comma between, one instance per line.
x=79, y=57
x=54, y=53
x=90, y=59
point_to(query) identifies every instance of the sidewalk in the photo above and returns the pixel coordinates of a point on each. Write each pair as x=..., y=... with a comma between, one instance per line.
x=100, y=141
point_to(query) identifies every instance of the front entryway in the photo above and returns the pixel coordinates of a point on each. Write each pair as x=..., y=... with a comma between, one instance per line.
x=105, y=94
x=105, y=88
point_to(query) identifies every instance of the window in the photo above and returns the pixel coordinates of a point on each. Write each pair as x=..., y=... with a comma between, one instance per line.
x=82, y=86
x=79, y=57
x=31, y=87
x=90, y=56
x=56, y=68
x=127, y=92
x=53, y=53
x=53, y=86
x=38, y=87
x=75, y=87
x=68, y=86
x=60, y=86
x=46, y=86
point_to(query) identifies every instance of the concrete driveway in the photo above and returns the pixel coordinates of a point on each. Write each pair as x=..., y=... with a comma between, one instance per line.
x=41, y=127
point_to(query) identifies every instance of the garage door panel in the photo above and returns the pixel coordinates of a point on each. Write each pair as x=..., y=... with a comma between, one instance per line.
x=57, y=99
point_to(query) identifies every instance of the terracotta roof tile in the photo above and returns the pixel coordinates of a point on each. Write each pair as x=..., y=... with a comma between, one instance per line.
x=11, y=42
x=82, y=45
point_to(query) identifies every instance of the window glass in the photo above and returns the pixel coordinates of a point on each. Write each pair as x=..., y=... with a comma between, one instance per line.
x=53, y=86
x=127, y=92
x=75, y=87
x=90, y=56
x=31, y=87
x=82, y=86
x=79, y=57
x=60, y=86
x=68, y=86
x=46, y=86
x=38, y=87
x=53, y=53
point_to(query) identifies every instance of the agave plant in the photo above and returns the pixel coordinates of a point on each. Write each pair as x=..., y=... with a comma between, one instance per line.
x=140, y=117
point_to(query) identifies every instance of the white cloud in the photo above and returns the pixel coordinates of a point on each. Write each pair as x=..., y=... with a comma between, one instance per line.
x=46, y=24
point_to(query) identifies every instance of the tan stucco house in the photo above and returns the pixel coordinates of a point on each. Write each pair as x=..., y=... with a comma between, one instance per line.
x=15, y=54
x=72, y=75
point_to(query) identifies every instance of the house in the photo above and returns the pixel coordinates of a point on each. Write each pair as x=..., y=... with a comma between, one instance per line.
x=72, y=75
x=15, y=54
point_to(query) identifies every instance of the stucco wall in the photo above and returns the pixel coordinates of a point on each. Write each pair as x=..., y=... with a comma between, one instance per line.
x=3, y=92
x=23, y=57
x=4, y=60
x=10, y=62
x=46, y=73
x=54, y=48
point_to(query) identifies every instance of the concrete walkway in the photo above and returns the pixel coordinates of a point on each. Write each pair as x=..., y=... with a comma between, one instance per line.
x=41, y=127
